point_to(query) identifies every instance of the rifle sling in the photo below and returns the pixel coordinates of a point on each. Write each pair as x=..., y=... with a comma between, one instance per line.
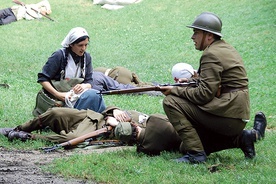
x=29, y=13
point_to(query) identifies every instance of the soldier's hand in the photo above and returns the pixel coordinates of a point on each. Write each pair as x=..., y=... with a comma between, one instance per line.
x=111, y=121
x=120, y=115
x=166, y=90
x=182, y=80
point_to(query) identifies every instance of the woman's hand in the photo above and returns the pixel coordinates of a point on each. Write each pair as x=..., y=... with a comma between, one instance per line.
x=79, y=88
x=60, y=95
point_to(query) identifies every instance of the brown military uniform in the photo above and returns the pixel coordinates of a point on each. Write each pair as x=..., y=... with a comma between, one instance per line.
x=70, y=123
x=159, y=135
x=122, y=75
x=188, y=109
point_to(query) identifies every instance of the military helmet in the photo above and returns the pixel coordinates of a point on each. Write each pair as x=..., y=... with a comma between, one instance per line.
x=208, y=22
x=123, y=131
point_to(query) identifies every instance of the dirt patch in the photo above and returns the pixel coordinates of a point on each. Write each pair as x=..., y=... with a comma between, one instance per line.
x=23, y=167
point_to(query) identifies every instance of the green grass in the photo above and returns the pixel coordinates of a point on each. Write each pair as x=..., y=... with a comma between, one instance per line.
x=148, y=38
x=126, y=166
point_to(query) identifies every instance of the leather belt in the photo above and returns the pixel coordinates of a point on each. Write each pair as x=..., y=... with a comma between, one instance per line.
x=107, y=71
x=230, y=89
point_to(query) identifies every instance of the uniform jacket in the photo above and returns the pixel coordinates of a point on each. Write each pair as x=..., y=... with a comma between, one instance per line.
x=220, y=65
x=75, y=124
x=159, y=135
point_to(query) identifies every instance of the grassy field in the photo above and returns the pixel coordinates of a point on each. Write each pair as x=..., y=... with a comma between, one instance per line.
x=148, y=38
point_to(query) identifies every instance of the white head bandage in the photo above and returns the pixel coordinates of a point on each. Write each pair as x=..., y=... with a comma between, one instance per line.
x=182, y=70
x=73, y=35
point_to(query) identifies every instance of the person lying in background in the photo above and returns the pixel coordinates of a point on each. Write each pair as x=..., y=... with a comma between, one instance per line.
x=27, y=12
x=114, y=4
x=107, y=79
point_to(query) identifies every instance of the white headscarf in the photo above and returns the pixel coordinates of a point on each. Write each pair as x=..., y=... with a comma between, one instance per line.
x=182, y=70
x=73, y=35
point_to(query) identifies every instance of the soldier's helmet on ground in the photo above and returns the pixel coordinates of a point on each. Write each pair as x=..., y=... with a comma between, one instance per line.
x=123, y=131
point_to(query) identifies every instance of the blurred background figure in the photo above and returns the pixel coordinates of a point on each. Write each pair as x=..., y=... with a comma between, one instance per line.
x=114, y=4
x=24, y=11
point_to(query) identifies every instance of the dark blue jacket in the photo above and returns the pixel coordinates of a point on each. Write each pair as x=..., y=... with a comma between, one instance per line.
x=57, y=62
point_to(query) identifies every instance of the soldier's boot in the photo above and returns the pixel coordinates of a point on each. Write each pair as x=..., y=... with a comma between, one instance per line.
x=246, y=143
x=15, y=134
x=5, y=131
x=260, y=124
x=193, y=158
x=191, y=142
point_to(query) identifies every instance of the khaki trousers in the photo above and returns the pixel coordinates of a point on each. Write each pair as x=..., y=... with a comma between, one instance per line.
x=187, y=118
x=67, y=123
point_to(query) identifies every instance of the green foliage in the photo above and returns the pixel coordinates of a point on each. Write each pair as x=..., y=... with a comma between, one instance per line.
x=148, y=38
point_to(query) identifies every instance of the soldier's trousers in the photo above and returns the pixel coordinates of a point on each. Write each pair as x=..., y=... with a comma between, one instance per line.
x=67, y=123
x=188, y=119
x=7, y=16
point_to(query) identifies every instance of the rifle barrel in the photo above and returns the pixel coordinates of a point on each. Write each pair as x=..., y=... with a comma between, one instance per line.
x=43, y=15
x=132, y=90
x=143, y=89
x=183, y=84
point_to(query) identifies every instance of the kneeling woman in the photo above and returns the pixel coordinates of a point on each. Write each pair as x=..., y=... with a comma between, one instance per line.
x=72, y=61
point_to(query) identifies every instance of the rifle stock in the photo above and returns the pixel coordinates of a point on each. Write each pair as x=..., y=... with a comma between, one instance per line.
x=78, y=140
x=143, y=89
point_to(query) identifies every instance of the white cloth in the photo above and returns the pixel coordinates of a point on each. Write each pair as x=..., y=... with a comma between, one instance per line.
x=72, y=70
x=73, y=35
x=182, y=70
x=71, y=98
x=112, y=7
x=114, y=4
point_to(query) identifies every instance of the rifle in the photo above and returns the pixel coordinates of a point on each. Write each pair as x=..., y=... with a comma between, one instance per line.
x=23, y=4
x=159, y=87
x=78, y=140
x=107, y=143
